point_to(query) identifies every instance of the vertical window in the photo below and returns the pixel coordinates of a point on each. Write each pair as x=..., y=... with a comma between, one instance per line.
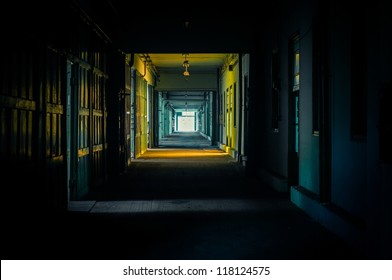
x=223, y=108
x=228, y=107
x=296, y=66
x=318, y=72
x=358, y=79
x=295, y=73
x=275, y=89
x=235, y=104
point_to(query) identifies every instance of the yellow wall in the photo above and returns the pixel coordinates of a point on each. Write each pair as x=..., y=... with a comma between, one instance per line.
x=141, y=133
x=229, y=84
x=139, y=66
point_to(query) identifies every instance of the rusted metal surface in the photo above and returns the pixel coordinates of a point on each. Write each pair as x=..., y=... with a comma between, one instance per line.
x=53, y=122
x=91, y=85
x=32, y=125
x=33, y=115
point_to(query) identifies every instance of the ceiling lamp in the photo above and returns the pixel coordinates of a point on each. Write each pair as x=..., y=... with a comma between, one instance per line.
x=185, y=64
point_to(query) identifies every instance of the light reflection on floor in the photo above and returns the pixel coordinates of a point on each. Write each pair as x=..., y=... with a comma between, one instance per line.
x=181, y=153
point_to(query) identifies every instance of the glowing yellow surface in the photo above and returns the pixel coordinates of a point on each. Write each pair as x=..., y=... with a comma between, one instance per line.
x=181, y=153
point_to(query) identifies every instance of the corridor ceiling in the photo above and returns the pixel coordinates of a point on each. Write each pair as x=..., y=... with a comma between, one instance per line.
x=198, y=63
x=165, y=31
x=185, y=100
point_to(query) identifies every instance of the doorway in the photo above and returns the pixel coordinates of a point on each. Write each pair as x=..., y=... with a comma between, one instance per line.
x=294, y=113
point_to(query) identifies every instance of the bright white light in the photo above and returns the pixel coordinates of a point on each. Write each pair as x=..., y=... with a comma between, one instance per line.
x=186, y=123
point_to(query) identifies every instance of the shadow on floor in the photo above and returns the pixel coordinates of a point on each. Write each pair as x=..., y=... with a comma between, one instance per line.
x=179, y=203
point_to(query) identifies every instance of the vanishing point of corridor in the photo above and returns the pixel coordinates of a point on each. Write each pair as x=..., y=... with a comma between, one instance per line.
x=134, y=131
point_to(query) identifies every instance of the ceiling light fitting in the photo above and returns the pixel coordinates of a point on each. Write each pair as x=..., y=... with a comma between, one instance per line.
x=185, y=64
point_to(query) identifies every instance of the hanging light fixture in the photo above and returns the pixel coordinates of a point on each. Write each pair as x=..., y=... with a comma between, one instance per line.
x=185, y=64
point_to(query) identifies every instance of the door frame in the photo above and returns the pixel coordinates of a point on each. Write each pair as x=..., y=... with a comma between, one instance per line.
x=293, y=113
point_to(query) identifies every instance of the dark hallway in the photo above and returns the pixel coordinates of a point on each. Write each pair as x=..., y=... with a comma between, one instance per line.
x=187, y=200
x=188, y=203
x=133, y=131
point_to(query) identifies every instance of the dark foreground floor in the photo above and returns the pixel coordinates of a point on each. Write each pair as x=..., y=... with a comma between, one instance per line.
x=177, y=203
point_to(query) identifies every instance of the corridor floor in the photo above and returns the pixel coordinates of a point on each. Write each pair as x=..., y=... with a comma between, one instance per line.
x=187, y=201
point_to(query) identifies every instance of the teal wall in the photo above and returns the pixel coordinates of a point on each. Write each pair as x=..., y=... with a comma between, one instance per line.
x=360, y=180
x=348, y=156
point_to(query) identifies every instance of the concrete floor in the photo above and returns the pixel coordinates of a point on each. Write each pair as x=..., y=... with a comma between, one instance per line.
x=187, y=200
